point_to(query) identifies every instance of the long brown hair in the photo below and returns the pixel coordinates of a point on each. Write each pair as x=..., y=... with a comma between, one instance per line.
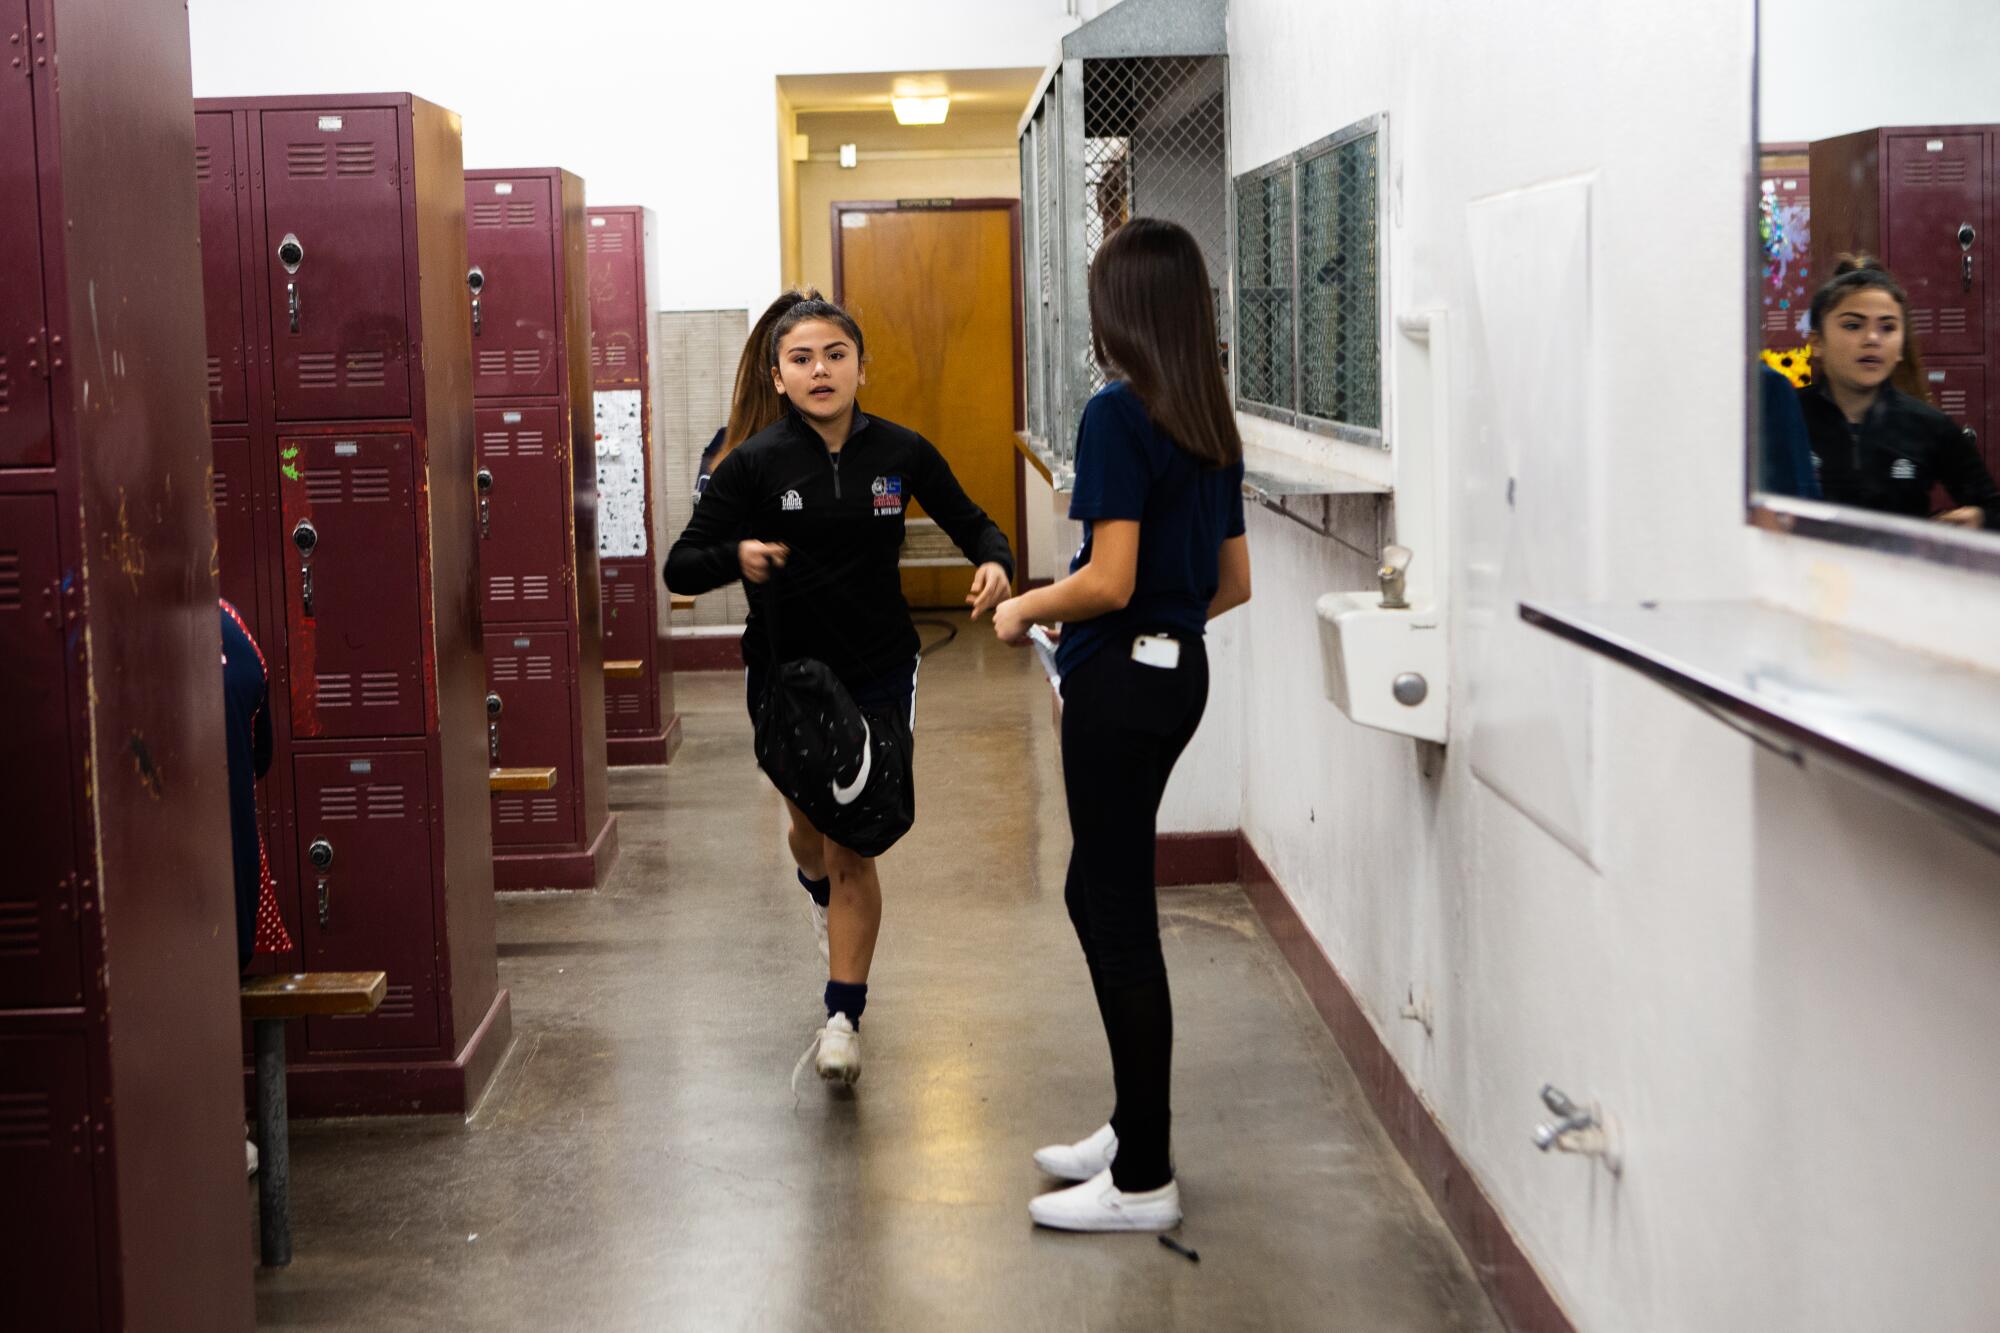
x=1863, y=273
x=1152, y=320
x=754, y=403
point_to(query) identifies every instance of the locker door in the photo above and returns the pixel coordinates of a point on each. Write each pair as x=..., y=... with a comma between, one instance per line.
x=370, y=907
x=48, y=1230
x=355, y=652
x=1936, y=186
x=1959, y=391
x=40, y=965
x=339, y=322
x=236, y=532
x=531, y=675
x=511, y=241
x=25, y=434
x=1788, y=286
x=523, y=548
x=221, y=266
x=628, y=636
x=617, y=300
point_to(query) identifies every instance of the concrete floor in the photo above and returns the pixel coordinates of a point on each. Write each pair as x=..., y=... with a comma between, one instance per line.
x=640, y=1163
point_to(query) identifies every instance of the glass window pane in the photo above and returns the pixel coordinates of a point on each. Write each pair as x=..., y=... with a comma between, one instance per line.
x=1340, y=323
x=1264, y=290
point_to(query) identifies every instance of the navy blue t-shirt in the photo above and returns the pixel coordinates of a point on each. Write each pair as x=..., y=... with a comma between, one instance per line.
x=1127, y=468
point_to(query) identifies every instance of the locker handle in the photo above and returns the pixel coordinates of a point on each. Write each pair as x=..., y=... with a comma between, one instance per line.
x=306, y=537
x=493, y=706
x=1966, y=236
x=478, y=325
x=292, y=300
x=321, y=855
x=475, y=279
x=485, y=480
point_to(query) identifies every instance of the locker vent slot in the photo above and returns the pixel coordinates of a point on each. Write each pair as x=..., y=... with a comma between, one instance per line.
x=215, y=375
x=530, y=444
x=615, y=355
x=355, y=159
x=397, y=1002
x=527, y=360
x=381, y=689
x=506, y=670
x=510, y=810
x=10, y=580
x=305, y=160
x=1951, y=402
x=606, y=242
x=369, y=484
x=204, y=162
x=26, y=1120
x=522, y=214
x=323, y=485
x=219, y=489
x=339, y=805
x=542, y=810
x=1928, y=172
x=334, y=689
x=5, y=382
x=386, y=801
x=318, y=370
x=494, y=443
x=596, y=355
x=20, y=930
x=624, y=594
x=500, y=587
x=1952, y=321
x=542, y=668
x=489, y=214
x=625, y=703
x=366, y=370
x=493, y=362
x=534, y=587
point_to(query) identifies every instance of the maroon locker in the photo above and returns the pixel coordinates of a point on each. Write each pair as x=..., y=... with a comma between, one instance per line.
x=1936, y=203
x=221, y=266
x=368, y=898
x=530, y=677
x=1959, y=391
x=524, y=508
x=334, y=220
x=354, y=618
x=631, y=703
x=511, y=242
x=25, y=439
x=233, y=487
x=1787, y=286
x=617, y=297
x=45, y=1157
x=40, y=961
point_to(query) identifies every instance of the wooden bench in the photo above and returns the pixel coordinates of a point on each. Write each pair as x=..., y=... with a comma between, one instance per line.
x=625, y=668
x=268, y=1003
x=521, y=779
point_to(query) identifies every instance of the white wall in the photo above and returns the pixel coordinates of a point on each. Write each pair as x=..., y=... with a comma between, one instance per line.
x=1832, y=66
x=654, y=102
x=1779, y=985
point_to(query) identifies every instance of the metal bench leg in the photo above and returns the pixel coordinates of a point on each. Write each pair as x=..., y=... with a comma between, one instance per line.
x=274, y=1147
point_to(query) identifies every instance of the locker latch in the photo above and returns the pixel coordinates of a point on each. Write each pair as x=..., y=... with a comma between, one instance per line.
x=485, y=479
x=475, y=280
x=291, y=254
x=1966, y=236
x=321, y=855
x=306, y=537
x=492, y=728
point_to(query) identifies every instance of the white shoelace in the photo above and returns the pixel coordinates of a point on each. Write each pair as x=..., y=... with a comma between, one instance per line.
x=804, y=1060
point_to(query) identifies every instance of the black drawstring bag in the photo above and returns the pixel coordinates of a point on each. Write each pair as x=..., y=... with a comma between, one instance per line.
x=847, y=767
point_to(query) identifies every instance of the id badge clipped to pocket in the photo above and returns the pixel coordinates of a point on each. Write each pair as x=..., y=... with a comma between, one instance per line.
x=1156, y=650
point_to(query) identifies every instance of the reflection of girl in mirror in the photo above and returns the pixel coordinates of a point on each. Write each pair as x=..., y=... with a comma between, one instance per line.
x=1876, y=442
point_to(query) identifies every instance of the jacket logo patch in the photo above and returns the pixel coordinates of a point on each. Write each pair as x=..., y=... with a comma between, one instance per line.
x=791, y=501
x=1903, y=470
x=888, y=492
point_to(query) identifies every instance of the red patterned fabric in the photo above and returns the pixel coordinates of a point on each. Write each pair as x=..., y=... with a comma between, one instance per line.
x=272, y=937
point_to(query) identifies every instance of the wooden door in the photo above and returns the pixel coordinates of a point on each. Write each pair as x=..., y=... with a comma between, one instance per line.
x=934, y=291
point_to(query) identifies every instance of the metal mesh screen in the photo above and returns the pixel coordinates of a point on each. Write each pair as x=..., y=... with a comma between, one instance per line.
x=1264, y=290
x=1154, y=146
x=1340, y=323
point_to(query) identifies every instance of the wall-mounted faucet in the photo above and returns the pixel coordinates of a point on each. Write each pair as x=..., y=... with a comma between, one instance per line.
x=1577, y=1129
x=1395, y=567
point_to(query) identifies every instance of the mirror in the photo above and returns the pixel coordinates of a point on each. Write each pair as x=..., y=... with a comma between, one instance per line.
x=1876, y=408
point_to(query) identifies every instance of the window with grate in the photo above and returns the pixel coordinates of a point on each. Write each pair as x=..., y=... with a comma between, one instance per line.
x=1340, y=316
x=1264, y=289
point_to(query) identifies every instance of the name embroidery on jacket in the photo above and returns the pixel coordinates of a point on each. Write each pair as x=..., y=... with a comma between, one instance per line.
x=888, y=493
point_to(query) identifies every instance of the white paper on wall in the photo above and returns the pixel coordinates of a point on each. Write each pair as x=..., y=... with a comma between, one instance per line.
x=621, y=474
x=1533, y=526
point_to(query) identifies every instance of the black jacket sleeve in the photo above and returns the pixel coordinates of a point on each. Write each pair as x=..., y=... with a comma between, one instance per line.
x=704, y=555
x=1962, y=472
x=964, y=522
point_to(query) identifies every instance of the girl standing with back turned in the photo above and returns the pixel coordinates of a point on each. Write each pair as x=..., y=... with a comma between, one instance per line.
x=1159, y=488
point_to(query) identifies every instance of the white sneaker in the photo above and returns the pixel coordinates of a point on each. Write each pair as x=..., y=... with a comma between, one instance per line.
x=1099, y=1205
x=818, y=915
x=249, y=1158
x=835, y=1053
x=1079, y=1161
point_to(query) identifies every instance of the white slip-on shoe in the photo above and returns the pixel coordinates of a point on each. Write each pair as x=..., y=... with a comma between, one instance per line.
x=838, y=1056
x=1079, y=1161
x=1099, y=1205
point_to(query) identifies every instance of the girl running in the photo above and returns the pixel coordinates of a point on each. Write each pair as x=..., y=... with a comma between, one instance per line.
x=821, y=496
x=1159, y=488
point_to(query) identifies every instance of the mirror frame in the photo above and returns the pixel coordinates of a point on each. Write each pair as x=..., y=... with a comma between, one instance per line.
x=1847, y=526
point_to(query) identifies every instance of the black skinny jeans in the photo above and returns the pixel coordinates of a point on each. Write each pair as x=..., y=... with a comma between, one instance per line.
x=1123, y=727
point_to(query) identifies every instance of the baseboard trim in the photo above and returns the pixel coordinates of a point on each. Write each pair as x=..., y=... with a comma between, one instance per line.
x=398, y=1086
x=566, y=868
x=1197, y=858
x=707, y=652
x=1519, y=1293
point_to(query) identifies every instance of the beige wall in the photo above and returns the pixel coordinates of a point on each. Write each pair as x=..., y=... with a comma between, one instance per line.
x=823, y=183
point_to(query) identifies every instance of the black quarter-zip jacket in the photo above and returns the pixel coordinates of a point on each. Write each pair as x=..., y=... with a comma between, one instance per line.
x=840, y=598
x=1903, y=448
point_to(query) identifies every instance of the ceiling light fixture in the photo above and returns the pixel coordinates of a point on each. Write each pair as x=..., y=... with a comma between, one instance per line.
x=849, y=155
x=921, y=110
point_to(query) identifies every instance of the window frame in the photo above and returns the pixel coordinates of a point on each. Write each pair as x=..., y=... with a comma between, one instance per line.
x=1292, y=414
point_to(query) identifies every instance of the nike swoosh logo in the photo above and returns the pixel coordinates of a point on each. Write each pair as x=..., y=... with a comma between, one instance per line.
x=845, y=795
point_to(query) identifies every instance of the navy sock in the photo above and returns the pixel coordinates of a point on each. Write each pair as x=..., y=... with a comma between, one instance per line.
x=847, y=997
x=820, y=889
